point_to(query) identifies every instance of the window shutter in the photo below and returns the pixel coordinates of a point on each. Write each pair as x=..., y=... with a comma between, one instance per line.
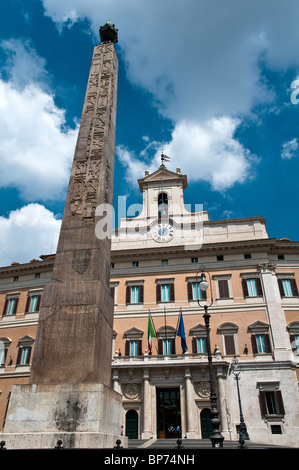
x=158, y=293
x=280, y=406
x=141, y=290
x=5, y=354
x=139, y=347
x=268, y=344
x=160, y=346
x=280, y=286
x=127, y=348
x=253, y=343
x=19, y=355
x=112, y=290
x=229, y=345
x=204, y=294
x=194, y=345
x=223, y=288
x=5, y=307
x=128, y=295
x=38, y=303
x=244, y=287
x=16, y=305
x=172, y=292
x=29, y=354
x=28, y=304
x=294, y=287
x=263, y=405
x=172, y=345
x=259, y=287
x=189, y=291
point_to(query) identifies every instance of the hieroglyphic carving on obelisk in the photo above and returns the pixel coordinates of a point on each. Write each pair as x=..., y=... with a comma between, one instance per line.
x=74, y=338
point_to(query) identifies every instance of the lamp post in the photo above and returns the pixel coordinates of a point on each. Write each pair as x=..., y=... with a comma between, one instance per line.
x=243, y=434
x=216, y=437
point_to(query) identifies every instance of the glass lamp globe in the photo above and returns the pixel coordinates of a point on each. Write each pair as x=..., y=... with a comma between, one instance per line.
x=203, y=283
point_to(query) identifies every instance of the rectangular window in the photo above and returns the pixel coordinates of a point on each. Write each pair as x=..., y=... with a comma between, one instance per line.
x=11, y=307
x=288, y=287
x=134, y=294
x=260, y=343
x=167, y=346
x=223, y=289
x=195, y=292
x=135, y=298
x=252, y=287
x=229, y=342
x=201, y=345
x=24, y=355
x=135, y=264
x=271, y=403
x=165, y=292
x=33, y=303
x=134, y=347
x=194, y=260
x=164, y=261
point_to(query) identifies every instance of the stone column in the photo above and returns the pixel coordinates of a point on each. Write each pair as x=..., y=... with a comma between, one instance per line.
x=276, y=316
x=222, y=402
x=189, y=404
x=147, y=406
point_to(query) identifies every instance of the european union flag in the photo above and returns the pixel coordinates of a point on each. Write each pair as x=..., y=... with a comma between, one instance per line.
x=181, y=333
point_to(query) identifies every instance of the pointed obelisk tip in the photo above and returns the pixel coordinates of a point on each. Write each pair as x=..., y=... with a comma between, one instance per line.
x=108, y=33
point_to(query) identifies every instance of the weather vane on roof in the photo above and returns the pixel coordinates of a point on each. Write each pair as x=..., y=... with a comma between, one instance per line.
x=164, y=158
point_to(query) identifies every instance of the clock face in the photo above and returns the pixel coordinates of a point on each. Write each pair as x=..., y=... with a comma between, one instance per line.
x=162, y=232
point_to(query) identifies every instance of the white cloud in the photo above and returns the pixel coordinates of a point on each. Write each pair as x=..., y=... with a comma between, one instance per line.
x=198, y=59
x=135, y=168
x=36, y=151
x=206, y=152
x=289, y=148
x=28, y=233
x=202, y=63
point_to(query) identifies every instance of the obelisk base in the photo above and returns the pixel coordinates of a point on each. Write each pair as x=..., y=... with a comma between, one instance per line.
x=82, y=415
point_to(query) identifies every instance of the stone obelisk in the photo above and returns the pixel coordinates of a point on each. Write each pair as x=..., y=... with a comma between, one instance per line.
x=68, y=394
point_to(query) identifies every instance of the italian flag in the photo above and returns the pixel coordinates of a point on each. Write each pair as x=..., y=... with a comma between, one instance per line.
x=150, y=332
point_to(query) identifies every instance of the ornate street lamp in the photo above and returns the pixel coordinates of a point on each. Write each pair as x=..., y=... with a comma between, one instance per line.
x=243, y=434
x=216, y=437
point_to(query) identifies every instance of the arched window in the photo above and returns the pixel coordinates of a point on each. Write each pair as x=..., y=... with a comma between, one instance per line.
x=162, y=206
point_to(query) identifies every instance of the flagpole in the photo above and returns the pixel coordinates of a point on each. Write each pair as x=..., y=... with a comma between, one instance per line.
x=165, y=329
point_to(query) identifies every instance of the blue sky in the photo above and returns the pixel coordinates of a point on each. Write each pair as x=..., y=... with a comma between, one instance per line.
x=212, y=82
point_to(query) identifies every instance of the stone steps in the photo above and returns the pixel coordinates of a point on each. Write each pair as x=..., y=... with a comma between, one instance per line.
x=188, y=444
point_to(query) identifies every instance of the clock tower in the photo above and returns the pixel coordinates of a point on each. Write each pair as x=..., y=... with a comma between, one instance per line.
x=164, y=217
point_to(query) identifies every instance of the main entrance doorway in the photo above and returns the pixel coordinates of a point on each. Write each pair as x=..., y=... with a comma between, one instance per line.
x=205, y=423
x=132, y=424
x=168, y=413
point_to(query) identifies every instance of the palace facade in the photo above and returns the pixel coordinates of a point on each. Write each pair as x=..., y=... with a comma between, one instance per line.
x=156, y=261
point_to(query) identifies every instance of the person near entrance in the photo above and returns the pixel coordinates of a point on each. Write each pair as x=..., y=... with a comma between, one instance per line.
x=171, y=429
